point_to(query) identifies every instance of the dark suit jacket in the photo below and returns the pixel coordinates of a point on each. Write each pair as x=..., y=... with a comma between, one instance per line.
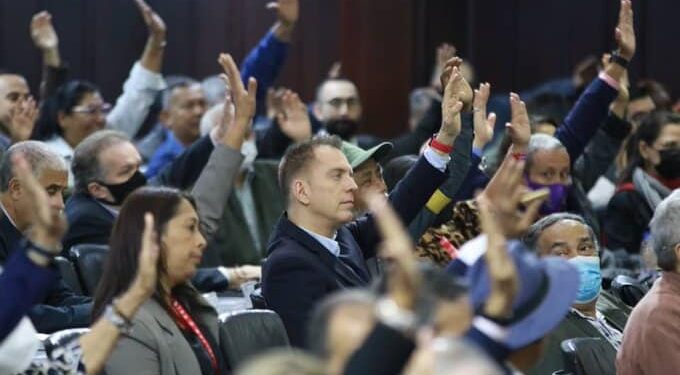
x=61, y=308
x=299, y=271
x=616, y=314
x=22, y=284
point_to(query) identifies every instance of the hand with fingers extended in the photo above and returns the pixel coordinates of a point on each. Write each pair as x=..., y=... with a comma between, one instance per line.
x=451, y=107
x=274, y=101
x=502, y=271
x=404, y=277
x=47, y=226
x=154, y=23
x=504, y=195
x=243, y=101
x=42, y=32
x=625, y=31
x=147, y=273
x=519, y=126
x=22, y=119
x=483, y=125
x=462, y=87
x=293, y=118
x=335, y=71
x=444, y=53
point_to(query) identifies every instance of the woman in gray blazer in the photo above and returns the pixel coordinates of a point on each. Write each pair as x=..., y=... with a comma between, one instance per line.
x=176, y=331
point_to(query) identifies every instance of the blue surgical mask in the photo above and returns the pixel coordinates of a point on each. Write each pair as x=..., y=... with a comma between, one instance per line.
x=590, y=278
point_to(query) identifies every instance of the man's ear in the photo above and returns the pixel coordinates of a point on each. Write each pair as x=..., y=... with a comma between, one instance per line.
x=316, y=109
x=98, y=191
x=301, y=191
x=164, y=117
x=14, y=188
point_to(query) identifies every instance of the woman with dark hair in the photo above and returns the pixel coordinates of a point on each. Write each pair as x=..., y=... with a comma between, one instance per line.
x=651, y=173
x=75, y=111
x=176, y=331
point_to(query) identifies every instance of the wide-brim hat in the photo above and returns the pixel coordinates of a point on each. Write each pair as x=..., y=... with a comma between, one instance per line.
x=547, y=289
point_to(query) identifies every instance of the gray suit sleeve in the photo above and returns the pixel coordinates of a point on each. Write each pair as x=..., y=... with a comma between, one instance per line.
x=134, y=354
x=214, y=185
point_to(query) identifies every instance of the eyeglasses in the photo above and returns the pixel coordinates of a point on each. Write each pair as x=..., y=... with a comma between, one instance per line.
x=103, y=109
x=338, y=102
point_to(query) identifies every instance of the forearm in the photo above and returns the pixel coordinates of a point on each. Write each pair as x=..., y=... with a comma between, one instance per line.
x=51, y=57
x=152, y=57
x=264, y=63
x=98, y=344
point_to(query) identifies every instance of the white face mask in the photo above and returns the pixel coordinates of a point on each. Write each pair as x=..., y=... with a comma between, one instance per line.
x=249, y=151
x=18, y=348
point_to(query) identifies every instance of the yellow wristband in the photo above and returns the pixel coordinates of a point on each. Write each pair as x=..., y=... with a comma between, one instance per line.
x=437, y=202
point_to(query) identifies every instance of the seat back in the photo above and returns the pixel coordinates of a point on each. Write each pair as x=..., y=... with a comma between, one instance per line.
x=628, y=290
x=589, y=356
x=89, y=260
x=68, y=273
x=246, y=333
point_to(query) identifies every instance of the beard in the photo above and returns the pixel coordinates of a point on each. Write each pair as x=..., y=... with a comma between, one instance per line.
x=343, y=128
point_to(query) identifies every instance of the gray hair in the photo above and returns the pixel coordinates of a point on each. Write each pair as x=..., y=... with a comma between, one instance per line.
x=215, y=89
x=665, y=231
x=282, y=361
x=536, y=230
x=85, y=166
x=317, y=338
x=541, y=142
x=173, y=83
x=38, y=155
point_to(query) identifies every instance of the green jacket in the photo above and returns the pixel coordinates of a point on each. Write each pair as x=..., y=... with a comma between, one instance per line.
x=232, y=244
x=615, y=312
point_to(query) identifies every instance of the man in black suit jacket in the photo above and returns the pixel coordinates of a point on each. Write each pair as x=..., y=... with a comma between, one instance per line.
x=316, y=247
x=106, y=169
x=62, y=308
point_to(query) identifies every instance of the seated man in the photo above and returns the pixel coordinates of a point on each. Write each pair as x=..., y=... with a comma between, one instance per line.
x=594, y=313
x=367, y=171
x=106, y=170
x=316, y=248
x=652, y=337
x=62, y=308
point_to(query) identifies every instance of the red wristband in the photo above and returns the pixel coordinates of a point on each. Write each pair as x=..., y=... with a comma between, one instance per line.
x=436, y=145
x=519, y=156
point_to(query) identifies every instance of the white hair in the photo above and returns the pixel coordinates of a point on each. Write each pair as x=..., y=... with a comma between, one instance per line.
x=665, y=231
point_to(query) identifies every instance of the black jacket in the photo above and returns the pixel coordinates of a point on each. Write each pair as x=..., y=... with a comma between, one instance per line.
x=299, y=271
x=626, y=220
x=62, y=308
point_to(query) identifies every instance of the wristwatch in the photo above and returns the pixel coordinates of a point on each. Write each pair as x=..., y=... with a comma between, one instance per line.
x=123, y=325
x=618, y=59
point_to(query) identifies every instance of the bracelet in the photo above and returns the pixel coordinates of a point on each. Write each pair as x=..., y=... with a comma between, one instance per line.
x=618, y=59
x=114, y=304
x=30, y=245
x=519, y=156
x=436, y=145
x=114, y=317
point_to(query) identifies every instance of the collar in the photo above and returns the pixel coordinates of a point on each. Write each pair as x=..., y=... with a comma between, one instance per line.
x=111, y=209
x=671, y=280
x=329, y=244
x=4, y=211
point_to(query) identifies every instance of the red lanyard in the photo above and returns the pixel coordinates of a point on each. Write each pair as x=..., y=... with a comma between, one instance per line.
x=186, y=322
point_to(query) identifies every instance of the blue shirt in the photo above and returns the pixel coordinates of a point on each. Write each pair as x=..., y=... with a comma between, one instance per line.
x=168, y=151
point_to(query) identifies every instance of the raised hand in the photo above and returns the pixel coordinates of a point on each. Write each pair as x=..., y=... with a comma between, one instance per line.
x=153, y=21
x=404, y=277
x=244, y=102
x=503, y=195
x=519, y=126
x=147, y=271
x=335, y=71
x=444, y=53
x=288, y=11
x=451, y=107
x=462, y=87
x=293, y=118
x=274, y=101
x=625, y=31
x=22, y=120
x=47, y=226
x=483, y=125
x=42, y=32
x=502, y=270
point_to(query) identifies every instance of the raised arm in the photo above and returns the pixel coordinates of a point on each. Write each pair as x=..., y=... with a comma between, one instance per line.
x=46, y=40
x=145, y=80
x=264, y=62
